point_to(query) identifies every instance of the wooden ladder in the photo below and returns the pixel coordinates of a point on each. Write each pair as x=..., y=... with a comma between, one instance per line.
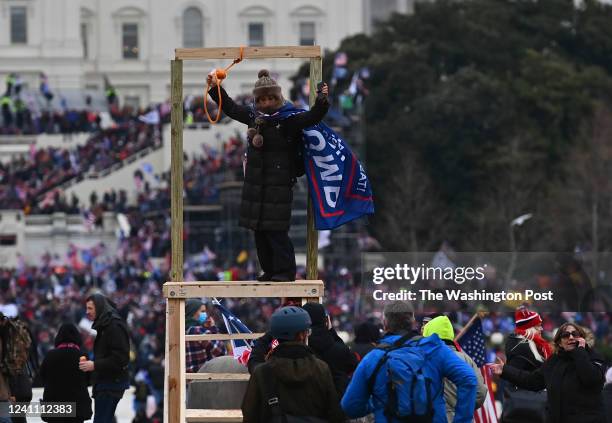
x=176, y=293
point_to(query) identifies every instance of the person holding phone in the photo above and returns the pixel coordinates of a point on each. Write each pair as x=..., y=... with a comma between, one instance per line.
x=573, y=378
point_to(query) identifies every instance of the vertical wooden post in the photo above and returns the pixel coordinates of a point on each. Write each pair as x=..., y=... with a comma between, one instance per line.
x=312, y=239
x=175, y=307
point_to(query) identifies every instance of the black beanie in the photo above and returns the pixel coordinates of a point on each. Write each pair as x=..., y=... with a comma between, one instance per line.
x=317, y=313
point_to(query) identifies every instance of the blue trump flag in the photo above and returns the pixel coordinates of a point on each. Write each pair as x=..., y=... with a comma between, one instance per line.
x=339, y=186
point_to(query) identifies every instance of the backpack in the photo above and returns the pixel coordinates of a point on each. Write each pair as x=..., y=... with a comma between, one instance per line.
x=16, y=347
x=271, y=399
x=409, y=389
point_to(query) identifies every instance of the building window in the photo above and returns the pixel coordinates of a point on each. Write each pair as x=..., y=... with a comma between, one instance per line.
x=307, y=33
x=132, y=101
x=8, y=240
x=84, y=40
x=193, y=36
x=256, y=34
x=19, y=25
x=130, y=41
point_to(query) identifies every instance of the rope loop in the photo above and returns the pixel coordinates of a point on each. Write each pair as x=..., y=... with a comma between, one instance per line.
x=220, y=74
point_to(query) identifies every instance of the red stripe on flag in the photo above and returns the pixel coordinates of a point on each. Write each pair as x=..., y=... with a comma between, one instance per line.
x=487, y=413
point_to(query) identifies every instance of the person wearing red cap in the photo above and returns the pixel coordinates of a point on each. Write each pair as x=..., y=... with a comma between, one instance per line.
x=529, y=331
x=573, y=379
x=525, y=350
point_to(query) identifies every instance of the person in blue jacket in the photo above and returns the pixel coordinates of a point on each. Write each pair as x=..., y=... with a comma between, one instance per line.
x=442, y=363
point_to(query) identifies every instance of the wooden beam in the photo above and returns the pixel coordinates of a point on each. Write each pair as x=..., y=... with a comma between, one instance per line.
x=295, y=52
x=247, y=289
x=223, y=336
x=175, y=323
x=203, y=208
x=216, y=416
x=176, y=170
x=213, y=377
x=312, y=236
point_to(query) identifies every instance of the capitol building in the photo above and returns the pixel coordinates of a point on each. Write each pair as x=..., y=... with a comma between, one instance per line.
x=79, y=43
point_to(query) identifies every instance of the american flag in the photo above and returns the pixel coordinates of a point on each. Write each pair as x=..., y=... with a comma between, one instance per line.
x=472, y=342
x=240, y=347
x=89, y=220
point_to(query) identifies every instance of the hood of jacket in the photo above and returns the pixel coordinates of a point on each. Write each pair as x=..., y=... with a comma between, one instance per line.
x=68, y=333
x=293, y=363
x=441, y=326
x=105, y=312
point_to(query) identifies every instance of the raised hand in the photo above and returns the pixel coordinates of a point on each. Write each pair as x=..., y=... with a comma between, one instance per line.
x=498, y=367
x=211, y=79
x=324, y=90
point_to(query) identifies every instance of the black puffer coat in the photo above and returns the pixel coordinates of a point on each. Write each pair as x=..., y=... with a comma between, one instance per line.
x=271, y=169
x=574, y=382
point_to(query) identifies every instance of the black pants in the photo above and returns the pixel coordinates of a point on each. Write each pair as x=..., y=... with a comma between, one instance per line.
x=275, y=253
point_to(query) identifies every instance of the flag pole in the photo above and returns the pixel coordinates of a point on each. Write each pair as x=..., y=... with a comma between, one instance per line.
x=466, y=327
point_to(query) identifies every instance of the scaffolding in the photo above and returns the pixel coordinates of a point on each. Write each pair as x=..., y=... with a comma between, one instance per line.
x=177, y=291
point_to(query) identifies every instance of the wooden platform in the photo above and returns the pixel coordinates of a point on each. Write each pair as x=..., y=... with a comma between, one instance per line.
x=195, y=415
x=222, y=336
x=211, y=377
x=244, y=289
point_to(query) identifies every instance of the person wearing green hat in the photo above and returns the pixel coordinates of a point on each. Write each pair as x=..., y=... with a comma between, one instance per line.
x=443, y=327
x=198, y=322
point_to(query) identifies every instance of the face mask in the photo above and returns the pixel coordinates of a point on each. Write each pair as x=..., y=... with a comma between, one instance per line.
x=202, y=317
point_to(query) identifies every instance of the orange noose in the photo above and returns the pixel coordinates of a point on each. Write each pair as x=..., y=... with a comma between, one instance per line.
x=221, y=74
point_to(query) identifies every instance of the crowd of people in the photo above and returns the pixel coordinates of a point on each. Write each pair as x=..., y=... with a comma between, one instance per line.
x=55, y=290
x=59, y=298
x=29, y=183
x=26, y=112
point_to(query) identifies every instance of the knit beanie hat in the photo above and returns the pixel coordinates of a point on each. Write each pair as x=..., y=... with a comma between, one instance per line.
x=525, y=319
x=265, y=85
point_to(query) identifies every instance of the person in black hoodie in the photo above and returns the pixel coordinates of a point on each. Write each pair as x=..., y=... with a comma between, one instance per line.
x=60, y=375
x=328, y=346
x=573, y=378
x=111, y=357
x=367, y=335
